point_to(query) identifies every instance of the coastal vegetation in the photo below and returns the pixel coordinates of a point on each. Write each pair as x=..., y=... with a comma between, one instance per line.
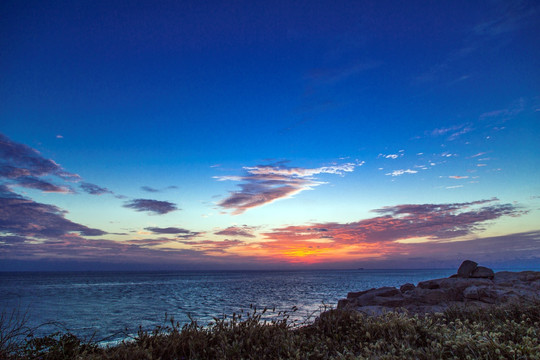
x=500, y=332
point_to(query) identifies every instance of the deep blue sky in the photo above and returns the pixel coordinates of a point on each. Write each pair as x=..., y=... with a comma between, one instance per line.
x=246, y=127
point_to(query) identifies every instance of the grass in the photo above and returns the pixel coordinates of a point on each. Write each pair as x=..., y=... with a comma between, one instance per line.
x=511, y=332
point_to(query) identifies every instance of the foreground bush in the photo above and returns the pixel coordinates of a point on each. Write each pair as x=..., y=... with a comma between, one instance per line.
x=498, y=333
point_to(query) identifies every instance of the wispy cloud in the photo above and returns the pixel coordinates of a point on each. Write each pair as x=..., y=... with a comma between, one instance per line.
x=457, y=134
x=149, y=242
x=457, y=177
x=21, y=160
x=149, y=189
x=401, y=172
x=478, y=154
x=264, y=184
x=451, y=132
x=381, y=234
x=500, y=116
x=94, y=189
x=167, y=230
x=153, y=190
x=178, y=232
x=511, y=16
x=212, y=246
x=20, y=216
x=243, y=231
x=20, y=165
x=392, y=156
x=39, y=184
x=151, y=206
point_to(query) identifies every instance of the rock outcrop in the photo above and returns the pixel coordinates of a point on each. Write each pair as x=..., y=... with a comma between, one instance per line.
x=472, y=286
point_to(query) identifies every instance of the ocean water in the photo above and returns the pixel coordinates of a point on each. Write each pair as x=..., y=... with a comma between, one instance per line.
x=106, y=305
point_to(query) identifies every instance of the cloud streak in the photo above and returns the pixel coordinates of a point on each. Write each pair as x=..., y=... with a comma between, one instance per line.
x=211, y=246
x=151, y=206
x=453, y=132
x=20, y=165
x=94, y=189
x=401, y=172
x=31, y=182
x=154, y=190
x=18, y=160
x=23, y=217
x=179, y=232
x=244, y=231
x=264, y=184
x=382, y=233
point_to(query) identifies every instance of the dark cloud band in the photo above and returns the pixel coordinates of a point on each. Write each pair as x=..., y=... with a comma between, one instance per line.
x=151, y=206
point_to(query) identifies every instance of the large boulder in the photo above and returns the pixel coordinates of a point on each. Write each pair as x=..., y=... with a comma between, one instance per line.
x=474, y=286
x=466, y=269
x=483, y=272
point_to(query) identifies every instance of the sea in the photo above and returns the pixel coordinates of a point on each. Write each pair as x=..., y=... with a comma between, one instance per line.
x=108, y=307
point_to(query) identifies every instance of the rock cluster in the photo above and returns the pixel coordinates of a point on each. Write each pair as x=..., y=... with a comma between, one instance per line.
x=472, y=286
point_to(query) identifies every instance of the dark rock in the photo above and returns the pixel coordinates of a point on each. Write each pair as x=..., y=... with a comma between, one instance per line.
x=353, y=295
x=466, y=268
x=385, y=291
x=343, y=303
x=474, y=287
x=436, y=296
x=529, y=275
x=430, y=284
x=460, y=284
x=483, y=272
x=406, y=287
x=471, y=293
x=385, y=296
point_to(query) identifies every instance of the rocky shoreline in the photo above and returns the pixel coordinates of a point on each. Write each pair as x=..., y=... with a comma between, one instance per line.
x=473, y=287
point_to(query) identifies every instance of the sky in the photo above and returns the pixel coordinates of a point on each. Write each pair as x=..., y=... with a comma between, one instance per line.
x=189, y=135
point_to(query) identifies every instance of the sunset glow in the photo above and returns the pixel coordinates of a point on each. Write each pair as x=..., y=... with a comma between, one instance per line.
x=269, y=135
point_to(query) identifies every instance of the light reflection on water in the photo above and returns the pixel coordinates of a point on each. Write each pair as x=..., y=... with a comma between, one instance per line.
x=105, y=303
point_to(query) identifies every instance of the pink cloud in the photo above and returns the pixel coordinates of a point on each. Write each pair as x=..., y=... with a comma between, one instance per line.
x=434, y=221
x=264, y=184
x=244, y=231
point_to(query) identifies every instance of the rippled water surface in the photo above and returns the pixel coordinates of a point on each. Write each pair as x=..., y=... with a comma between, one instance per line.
x=105, y=303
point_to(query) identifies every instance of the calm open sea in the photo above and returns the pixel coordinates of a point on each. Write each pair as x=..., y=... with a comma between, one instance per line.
x=106, y=303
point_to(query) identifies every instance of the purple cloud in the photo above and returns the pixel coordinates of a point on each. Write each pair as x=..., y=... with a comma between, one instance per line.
x=149, y=242
x=20, y=216
x=244, y=231
x=211, y=246
x=179, y=232
x=11, y=172
x=264, y=184
x=94, y=189
x=45, y=186
x=151, y=206
x=437, y=222
x=167, y=230
x=21, y=160
x=20, y=165
x=423, y=209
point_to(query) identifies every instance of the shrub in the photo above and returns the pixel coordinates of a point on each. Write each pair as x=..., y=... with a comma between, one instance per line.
x=510, y=332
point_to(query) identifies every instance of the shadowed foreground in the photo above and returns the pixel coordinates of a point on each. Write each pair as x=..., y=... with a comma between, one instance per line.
x=509, y=332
